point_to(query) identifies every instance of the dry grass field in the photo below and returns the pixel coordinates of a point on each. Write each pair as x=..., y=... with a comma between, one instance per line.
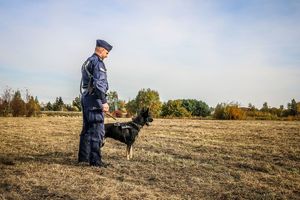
x=173, y=159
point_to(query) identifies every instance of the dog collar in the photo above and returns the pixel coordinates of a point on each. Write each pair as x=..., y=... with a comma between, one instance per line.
x=138, y=126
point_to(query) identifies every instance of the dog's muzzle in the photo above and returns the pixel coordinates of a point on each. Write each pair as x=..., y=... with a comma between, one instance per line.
x=149, y=120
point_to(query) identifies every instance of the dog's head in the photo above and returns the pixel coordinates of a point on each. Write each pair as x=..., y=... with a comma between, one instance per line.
x=144, y=117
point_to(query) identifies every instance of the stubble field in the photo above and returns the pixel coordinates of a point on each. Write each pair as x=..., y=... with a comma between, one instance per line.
x=173, y=159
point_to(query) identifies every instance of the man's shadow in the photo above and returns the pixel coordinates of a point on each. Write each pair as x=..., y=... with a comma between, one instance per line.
x=56, y=157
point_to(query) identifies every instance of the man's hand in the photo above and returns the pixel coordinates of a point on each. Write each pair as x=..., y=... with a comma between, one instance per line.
x=105, y=107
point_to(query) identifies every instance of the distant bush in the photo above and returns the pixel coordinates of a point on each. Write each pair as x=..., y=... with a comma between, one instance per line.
x=174, y=108
x=229, y=112
x=259, y=115
x=196, y=108
x=272, y=113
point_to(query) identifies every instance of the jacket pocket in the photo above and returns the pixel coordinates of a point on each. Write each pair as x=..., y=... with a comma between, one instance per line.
x=95, y=115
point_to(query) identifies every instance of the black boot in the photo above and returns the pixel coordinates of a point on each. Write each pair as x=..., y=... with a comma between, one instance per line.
x=100, y=164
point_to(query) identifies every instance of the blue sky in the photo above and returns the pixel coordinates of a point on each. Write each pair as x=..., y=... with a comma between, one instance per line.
x=214, y=51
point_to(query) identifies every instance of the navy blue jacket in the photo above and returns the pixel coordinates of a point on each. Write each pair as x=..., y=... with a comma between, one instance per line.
x=97, y=69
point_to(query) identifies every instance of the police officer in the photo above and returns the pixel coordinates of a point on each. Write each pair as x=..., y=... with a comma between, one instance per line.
x=94, y=104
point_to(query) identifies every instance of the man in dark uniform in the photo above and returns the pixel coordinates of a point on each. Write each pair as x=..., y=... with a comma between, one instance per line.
x=94, y=104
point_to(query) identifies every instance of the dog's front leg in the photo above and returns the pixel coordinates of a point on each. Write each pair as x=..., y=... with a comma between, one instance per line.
x=128, y=152
x=131, y=152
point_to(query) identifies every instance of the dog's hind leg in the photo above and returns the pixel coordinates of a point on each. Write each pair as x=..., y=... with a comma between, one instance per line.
x=103, y=142
x=131, y=152
x=128, y=152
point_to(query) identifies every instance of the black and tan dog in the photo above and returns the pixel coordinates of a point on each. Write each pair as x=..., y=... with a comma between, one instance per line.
x=127, y=132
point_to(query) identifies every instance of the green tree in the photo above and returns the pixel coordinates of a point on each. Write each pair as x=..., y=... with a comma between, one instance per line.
x=5, y=108
x=58, y=105
x=276, y=111
x=280, y=111
x=32, y=107
x=1, y=106
x=113, y=101
x=293, y=109
x=265, y=107
x=147, y=98
x=18, y=105
x=36, y=100
x=190, y=105
x=70, y=107
x=49, y=106
x=202, y=109
x=131, y=107
x=196, y=108
x=219, y=112
x=174, y=108
x=251, y=107
x=77, y=103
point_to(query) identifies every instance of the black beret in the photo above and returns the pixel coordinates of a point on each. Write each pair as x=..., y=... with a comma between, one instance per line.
x=104, y=44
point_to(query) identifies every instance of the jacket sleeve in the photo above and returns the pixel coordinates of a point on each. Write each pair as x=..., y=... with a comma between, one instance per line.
x=100, y=82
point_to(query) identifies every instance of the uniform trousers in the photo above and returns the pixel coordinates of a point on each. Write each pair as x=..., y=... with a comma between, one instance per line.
x=92, y=133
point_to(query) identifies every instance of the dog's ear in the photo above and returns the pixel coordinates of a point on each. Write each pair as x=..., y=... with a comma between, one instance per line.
x=142, y=111
x=145, y=111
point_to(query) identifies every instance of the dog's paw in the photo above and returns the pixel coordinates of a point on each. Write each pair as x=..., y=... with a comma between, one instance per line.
x=103, y=143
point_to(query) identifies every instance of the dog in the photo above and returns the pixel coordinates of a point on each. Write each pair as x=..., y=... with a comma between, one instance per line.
x=127, y=132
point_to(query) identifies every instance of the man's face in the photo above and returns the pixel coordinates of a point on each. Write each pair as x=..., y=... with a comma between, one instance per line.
x=103, y=53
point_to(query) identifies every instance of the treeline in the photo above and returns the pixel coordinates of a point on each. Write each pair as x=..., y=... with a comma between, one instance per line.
x=59, y=105
x=232, y=111
x=12, y=104
x=192, y=108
